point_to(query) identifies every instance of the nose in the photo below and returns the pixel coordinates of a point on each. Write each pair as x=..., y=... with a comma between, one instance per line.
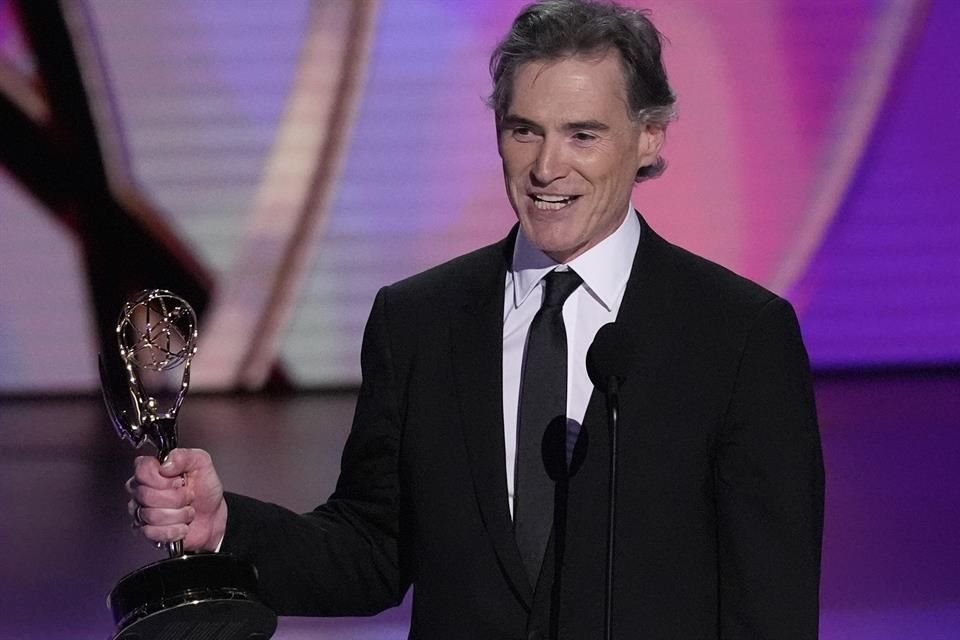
x=550, y=163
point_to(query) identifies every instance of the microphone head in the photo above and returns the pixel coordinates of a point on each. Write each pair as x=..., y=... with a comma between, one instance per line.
x=612, y=355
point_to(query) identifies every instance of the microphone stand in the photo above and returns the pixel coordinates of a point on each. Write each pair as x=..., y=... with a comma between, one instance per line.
x=613, y=410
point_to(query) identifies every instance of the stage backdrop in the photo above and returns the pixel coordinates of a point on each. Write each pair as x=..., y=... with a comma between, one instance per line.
x=277, y=162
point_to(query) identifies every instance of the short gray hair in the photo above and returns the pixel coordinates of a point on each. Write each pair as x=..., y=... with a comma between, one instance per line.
x=557, y=29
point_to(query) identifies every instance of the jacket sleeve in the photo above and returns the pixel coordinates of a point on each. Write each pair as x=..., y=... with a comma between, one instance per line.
x=344, y=557
x=770, y=486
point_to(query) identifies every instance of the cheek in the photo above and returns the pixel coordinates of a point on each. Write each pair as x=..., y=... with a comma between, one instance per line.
x=620, y=172
x=510, y=170
x=603, y=169
x=517, y=158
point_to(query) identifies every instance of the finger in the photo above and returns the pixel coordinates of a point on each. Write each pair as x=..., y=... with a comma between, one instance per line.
x=151, y=516
x=184, y=461
x=132, y=485
x=172, y=498
x=146, y=471
x=133, y=508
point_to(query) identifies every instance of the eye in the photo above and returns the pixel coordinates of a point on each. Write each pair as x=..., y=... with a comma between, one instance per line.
x=522, y=133
x=584, y=137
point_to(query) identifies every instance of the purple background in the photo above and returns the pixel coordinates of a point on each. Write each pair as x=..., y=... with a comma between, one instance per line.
x=884, y=287
x=816, y=152
x=767, y=89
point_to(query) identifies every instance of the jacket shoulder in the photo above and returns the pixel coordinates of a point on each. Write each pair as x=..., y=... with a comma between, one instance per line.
x=468, y=273
x=715, y=285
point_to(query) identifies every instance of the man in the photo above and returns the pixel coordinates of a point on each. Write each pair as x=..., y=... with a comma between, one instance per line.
x=442, y=484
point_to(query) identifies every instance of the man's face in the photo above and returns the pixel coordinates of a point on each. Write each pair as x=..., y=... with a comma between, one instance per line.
x=571, y=152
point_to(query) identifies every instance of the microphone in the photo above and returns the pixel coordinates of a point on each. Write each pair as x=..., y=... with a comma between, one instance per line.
x=610, y=357
x=609, y=360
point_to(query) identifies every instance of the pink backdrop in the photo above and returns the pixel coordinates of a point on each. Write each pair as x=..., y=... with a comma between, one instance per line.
x=230, y=115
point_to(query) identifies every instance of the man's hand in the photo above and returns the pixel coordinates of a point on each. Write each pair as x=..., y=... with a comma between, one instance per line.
x=181, y=499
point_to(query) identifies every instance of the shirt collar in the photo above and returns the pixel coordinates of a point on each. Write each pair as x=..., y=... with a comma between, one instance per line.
x=604, y=269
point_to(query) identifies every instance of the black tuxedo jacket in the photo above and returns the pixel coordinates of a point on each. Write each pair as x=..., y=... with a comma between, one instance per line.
x=720, y=491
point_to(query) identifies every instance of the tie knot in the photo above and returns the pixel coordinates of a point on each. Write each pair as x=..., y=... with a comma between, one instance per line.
x=559, y=286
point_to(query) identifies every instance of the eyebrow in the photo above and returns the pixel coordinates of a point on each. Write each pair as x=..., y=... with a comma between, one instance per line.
x=589, y=125
x=511, y=120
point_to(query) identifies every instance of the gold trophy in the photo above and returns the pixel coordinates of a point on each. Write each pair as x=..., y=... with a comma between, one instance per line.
x=187, y=596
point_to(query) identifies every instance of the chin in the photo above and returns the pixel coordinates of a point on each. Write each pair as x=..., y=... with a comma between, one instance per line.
x=553, y=246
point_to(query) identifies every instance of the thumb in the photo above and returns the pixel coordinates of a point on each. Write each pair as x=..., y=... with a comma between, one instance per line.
x=181, y=461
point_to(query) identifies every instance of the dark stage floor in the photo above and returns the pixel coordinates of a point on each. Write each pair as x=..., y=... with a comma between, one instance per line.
x=891, y=568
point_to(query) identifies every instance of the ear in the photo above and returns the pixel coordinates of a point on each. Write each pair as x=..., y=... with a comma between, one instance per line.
x=649, y=143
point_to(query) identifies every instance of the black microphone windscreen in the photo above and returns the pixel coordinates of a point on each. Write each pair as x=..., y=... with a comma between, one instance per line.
x=612, y=355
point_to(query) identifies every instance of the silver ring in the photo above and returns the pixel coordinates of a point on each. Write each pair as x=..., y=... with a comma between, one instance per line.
x=137, y=518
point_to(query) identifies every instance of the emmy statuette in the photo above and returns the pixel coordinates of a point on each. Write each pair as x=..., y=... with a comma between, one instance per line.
x=187, y=596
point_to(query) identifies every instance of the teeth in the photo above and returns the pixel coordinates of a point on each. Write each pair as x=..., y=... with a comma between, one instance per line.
x=550, y=206
x=546, y=202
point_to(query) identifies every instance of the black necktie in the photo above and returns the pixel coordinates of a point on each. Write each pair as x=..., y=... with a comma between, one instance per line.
x=543, y=399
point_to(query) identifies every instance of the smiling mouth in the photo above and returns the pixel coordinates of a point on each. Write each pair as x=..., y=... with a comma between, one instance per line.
x=546, y=202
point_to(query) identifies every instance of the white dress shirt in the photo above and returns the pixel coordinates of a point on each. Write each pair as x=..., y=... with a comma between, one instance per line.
x=605, y=270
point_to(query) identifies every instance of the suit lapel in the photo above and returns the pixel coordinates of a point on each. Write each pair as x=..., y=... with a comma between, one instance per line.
x=476, y=325
x=649, y=307
x=477, y=331
x=649, y=310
